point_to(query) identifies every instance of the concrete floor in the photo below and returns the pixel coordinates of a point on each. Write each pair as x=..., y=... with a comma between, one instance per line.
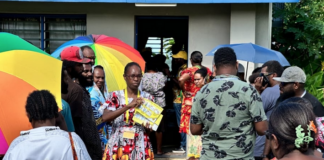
x=169, y=155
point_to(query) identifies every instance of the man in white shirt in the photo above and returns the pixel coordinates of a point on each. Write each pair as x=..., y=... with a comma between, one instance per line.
x=45, y=141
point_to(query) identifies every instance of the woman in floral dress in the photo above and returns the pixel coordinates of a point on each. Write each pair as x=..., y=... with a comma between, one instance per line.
x=194, y=142
x=153, y=82
x=189, y=90
x=129, y=141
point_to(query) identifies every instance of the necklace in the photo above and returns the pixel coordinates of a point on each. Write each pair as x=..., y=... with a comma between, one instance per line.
x=126, y=103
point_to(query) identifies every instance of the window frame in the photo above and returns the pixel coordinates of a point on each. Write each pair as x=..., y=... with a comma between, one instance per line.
x=42, y=21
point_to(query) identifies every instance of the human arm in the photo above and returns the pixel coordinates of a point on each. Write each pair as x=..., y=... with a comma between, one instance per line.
x=196, y=129
x=261, y=127
x=258, y=85
x=257, y=112
x=183, y=78
x=266, y=149
x=110, y=115
x=75, y=102
x=195, y=120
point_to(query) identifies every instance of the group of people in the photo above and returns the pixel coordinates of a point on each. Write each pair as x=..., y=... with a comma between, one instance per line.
x=220, y=116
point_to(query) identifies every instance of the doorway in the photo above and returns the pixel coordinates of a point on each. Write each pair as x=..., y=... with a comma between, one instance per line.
x=159, y=33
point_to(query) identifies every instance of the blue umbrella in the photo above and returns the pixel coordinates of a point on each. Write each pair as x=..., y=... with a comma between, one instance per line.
x=253, y=53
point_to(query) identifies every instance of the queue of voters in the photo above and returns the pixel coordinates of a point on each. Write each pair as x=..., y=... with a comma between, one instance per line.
x=219, y=115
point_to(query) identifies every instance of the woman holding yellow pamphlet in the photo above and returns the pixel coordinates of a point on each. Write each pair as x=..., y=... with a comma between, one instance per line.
x=129, y=140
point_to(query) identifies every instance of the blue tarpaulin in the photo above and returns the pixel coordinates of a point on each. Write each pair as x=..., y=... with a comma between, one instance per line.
x=165, y=1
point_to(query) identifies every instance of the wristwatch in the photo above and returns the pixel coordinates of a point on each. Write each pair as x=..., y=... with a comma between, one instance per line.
x=264, y=156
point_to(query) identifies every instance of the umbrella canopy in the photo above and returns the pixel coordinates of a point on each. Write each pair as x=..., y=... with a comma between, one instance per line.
x=111, y=53
x=24, y=68
x=253, y=53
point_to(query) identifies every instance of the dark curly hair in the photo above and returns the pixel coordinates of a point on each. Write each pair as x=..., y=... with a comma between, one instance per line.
x=41, y=105
x=285, y=118
x=274, y=67
x=225, y=57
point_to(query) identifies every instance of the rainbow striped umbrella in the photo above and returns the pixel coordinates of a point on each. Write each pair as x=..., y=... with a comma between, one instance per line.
x=24, y=68
x=111, y=53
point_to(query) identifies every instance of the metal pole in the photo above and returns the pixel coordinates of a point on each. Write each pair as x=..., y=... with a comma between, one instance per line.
x=247, y=67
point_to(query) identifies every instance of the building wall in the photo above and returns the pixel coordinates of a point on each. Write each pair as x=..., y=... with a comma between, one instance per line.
x=209, y=24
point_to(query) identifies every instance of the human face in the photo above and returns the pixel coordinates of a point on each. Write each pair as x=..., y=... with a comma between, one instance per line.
x=99, y=77
x=199, y=80
x=287, y=90
x=64, y=83
x=78, y=69
x=88, y=53
x=85, y=78
x=133, y=77
x=268, y=75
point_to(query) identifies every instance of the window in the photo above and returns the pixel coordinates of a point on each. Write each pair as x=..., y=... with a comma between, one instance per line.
x=47, y=32
x=161, y=45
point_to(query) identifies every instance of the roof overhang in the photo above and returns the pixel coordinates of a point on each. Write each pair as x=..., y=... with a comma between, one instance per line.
x=164, y=1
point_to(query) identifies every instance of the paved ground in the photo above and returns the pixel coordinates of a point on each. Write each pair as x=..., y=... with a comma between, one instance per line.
x=169, y=155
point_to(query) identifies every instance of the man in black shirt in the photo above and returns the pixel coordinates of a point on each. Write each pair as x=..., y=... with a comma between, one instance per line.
x=292, y=85
x=79, y=71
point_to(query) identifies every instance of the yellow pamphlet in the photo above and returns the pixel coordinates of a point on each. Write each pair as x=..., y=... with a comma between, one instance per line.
x=148, y=112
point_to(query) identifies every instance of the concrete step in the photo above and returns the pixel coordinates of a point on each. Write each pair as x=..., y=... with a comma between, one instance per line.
x=169, y=155
x=170, y=158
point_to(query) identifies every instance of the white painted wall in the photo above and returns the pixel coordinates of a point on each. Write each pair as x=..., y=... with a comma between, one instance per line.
x=251, y=23
x=209, y=24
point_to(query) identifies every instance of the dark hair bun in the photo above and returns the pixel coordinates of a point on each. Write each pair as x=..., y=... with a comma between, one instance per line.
x=286, y=118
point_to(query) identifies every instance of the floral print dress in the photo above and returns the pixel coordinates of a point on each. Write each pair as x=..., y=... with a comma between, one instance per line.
x=193, y=89
x=140, y=147
x=194, y=145
x=97, y=99
x=153, y=83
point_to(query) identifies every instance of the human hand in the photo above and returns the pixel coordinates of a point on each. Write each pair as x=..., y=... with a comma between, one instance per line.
x=187, y=94
x=147, y=127
x=135, y=103
x=258, y=84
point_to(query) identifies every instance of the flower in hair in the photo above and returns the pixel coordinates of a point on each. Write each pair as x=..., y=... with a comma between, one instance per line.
x=301, y=138
x=312, y=127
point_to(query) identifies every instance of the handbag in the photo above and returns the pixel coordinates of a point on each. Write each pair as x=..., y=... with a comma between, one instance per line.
x=75, y=156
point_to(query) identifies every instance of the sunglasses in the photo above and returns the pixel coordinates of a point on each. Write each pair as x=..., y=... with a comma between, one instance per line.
x=262, y=74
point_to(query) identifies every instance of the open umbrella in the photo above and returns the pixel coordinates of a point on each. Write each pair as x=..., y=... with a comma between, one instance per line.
x=111, y=53
x=253, y=53
x=24, y=68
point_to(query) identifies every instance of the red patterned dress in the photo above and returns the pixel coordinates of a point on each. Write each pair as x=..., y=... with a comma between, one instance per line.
x=140, y=147
x=193, y=89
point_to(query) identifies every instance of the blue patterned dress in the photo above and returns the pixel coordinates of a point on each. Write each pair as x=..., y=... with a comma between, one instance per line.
x=98, y=97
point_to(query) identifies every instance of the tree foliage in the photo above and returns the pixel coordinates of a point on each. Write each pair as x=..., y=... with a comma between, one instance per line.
x=301, y=37
x=301, y=40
